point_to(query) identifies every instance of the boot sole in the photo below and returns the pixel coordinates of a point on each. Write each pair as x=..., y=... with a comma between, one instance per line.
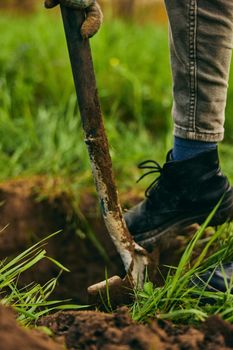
x=150, y=238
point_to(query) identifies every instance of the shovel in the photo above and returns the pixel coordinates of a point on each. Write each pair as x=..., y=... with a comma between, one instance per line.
x=134, y=257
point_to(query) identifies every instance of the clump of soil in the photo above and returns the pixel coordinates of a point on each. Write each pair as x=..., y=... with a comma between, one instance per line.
x=95, y=330
x=12, y=336
x=89, y=330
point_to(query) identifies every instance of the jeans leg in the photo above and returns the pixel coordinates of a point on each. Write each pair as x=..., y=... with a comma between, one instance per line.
x=201, y=41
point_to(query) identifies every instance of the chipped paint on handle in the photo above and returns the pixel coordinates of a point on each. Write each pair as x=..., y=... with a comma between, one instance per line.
x=132, y=255
x=112, y=219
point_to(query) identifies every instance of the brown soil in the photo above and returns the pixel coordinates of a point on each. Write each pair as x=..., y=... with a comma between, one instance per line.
x=33, y=208
x=12, y=336
x=98, y=331
x=90, y=330
x=28, y=218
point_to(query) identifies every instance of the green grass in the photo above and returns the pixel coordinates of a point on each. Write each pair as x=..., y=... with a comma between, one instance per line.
x=181, y=301
x=31, y=301
x=40, y=127
x=40, y=130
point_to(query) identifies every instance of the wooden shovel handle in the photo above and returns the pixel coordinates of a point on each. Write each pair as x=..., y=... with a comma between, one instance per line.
x=95, y=136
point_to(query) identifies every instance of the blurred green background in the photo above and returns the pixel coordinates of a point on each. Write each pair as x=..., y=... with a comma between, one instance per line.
x=40, y=129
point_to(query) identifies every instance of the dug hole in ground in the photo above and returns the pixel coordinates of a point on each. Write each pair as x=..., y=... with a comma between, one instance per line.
x=33, y=208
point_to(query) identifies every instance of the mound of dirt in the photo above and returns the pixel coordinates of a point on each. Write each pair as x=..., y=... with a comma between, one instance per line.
x=12, y=336
x=91, y=330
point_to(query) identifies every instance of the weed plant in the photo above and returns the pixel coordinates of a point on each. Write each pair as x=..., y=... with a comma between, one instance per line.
x=31, y=301
x=185, y=298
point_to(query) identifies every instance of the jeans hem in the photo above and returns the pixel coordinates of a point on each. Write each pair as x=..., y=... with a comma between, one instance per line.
x=198, y=136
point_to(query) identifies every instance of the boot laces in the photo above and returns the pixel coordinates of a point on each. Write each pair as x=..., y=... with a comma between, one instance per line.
x=153, y=167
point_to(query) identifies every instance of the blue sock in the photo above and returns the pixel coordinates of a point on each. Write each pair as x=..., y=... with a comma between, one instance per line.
x=184, y=148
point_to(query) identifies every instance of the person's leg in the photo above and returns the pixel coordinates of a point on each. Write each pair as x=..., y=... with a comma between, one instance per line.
x=201, y=41
x=201, y=36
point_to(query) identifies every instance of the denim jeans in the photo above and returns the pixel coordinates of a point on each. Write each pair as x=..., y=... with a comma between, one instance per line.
x=201, y=41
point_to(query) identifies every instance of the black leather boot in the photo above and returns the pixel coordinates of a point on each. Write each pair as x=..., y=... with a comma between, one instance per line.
x=217, y=280
x=184, y=193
